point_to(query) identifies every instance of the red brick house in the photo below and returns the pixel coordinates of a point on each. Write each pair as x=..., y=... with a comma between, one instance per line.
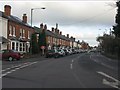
x=19, y=32
x=54, y=37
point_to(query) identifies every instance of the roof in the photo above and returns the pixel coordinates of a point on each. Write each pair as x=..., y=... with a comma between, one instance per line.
x=37, y=30
x=50, y=33
x=14, y=19
x=3, y=39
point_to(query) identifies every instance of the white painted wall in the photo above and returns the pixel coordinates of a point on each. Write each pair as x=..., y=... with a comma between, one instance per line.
x=3, y=30
x=70, y=44
x=75, y=44
x=3, y=27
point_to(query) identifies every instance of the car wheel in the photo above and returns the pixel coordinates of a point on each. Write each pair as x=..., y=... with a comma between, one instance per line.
x=10, y=58
x=56, y=56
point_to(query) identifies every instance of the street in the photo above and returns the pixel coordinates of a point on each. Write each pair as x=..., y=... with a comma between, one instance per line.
x=83, y=70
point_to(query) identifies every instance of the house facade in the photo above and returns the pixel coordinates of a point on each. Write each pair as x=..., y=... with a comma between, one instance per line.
x=18, y=31
x=55, y=39
x=3, y=31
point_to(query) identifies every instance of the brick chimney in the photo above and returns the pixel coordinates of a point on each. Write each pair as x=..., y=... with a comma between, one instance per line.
x=41, y=26
x=7, y=10
x=67, y=35
x=60, y=33
x=24, y=18
x=53, y=29
x=45, y=27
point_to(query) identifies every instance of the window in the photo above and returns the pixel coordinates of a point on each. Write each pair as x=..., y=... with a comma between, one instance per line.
x=23, y=46
x=23, y=33
x=13, y=31
x=48, y=39
x=20, y=46
x=16, y=46
x=20, y=33
x=28, y=34
x=13, y=45
x=10, y=30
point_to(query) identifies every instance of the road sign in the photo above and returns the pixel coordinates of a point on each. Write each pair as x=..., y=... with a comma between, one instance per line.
x=42, y=47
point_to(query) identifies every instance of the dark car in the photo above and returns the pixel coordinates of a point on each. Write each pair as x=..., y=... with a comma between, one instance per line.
x=50, y=53
x=53, y=53
x=10, y=55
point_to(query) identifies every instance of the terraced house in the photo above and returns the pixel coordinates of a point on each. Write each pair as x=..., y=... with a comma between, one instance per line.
x=54, y=38
x=18, y=31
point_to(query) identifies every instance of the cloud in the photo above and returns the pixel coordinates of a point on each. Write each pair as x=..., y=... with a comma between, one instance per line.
x=81, y=19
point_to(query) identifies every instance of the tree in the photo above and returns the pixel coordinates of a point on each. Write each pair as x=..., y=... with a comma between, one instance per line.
x=116, y=28
x=42, y=39
x=34, y=44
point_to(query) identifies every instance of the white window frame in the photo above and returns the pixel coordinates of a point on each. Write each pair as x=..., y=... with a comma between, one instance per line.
x=28, y=34
x=21, y=47
x=14, y=31
x=10, y=30
x=23, y=33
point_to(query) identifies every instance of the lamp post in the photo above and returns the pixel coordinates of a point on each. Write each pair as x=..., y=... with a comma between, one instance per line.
x=32, y=12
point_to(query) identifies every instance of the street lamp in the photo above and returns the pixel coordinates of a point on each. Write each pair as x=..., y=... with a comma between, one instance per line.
x=32, y=12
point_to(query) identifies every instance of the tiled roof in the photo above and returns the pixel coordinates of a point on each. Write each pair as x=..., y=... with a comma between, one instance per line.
x=50, y=33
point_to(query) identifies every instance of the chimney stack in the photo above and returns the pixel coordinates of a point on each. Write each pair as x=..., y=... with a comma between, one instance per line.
x=41, y=26
x=60, y=33
x=67, y=35
x=24, y=18
x=7, y=10
x=45, y=27
x=53, y=29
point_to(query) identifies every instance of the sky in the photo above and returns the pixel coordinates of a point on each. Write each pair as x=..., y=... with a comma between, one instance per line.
x=84, y=20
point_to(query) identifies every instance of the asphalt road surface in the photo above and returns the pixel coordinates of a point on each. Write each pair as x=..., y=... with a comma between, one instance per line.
x=84, y=70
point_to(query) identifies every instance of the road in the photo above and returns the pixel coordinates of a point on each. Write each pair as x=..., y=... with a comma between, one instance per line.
x=84, y=70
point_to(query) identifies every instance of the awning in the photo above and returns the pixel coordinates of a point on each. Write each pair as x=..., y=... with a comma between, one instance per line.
x=3, y=39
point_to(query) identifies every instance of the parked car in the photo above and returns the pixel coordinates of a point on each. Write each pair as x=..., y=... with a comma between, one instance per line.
x=53, y=53
x=66, y=52
x=70, y=51
x=61, y=52
x=50, y=53
x=10, y=55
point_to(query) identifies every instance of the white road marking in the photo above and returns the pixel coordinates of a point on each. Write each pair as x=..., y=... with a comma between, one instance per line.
x=102, y=73
x=71, y=66
x=16, y=68
x=113, y=84
x=72, y=61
